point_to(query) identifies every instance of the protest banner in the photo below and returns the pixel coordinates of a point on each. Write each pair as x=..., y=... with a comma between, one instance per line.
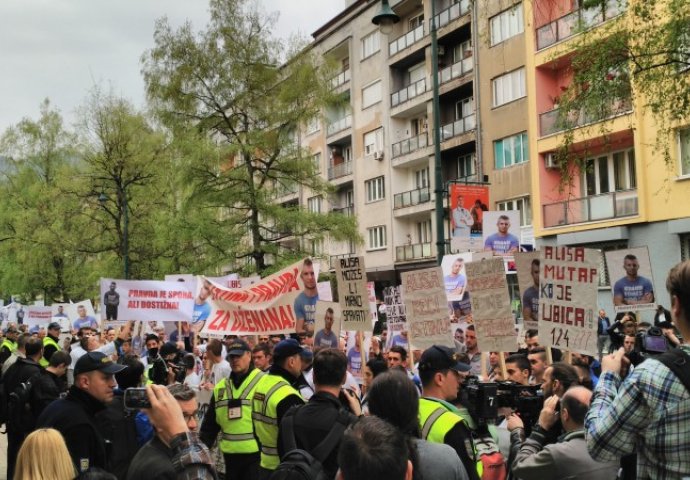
x=497, y=232
x=395, y=314
x=357, y=352
x=325, y=292
x=60, y=314
x=527, y=266
x=327, y=325
x=491, y=313
x=147, y=300
x=426, y=308
x=269, y=306
x=353, y=294
x=37, y=316
x=568, y=298
x=632, y=284
x=371, y=290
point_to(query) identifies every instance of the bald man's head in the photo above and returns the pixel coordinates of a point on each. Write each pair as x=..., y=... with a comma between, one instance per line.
x=576, y=401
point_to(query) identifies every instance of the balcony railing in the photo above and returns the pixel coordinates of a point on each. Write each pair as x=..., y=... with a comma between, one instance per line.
x=339, y=125
x=341, y=79
x=414, y=251
x=404, y=41
x=409, y=92
x=577, y=21
x=606, y=206
x=412, y=197
x=340, y=170
x=348, y=211
x=410, y=145
x=457, y=70
x=551, y=122
x=458, y=127
x=451, y=13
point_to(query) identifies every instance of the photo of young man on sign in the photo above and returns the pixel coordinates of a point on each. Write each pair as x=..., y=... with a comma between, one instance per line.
x=498, y=239
x=631, y=279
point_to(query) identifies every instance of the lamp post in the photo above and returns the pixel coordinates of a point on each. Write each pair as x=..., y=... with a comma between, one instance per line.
x=102, y=199
x=385, y=19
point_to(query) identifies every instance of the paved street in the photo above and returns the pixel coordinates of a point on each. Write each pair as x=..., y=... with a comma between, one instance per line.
x=3, y=456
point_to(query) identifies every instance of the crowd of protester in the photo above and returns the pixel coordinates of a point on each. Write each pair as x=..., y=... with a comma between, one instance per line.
x=258, y=407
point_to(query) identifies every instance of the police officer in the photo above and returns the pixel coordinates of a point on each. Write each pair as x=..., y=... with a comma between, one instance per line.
x=439, y=421
x=231, y=402
x=274, y=395
x=50, y=343
x=9, y=343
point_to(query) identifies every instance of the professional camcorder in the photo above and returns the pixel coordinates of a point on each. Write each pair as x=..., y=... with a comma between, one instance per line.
x=484, y=399
x=648, y=344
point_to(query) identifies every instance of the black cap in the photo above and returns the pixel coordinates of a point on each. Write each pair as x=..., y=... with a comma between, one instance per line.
x=286, y=348
x=93, y=361
x=439, y=358
x=238, y=347
x=54, y=326
x=168, y=348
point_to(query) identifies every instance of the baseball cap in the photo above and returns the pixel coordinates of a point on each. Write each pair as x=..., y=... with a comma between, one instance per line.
x=286, y=348
x=439, y=357
x=238, y=347
x=54, y=326
x=92, y=361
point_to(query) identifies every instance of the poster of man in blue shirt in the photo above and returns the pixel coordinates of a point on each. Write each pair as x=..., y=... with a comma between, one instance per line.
x=635, y=289
x=501, y=242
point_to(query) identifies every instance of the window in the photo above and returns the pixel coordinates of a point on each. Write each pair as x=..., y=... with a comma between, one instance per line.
x=511, y=150
x=506, y=24
x=521, y=204
x=684, y=151
x=377, y=237
x=421, y=178
x=509, y=87
x=371, y=94
x=316, y=247
x=466, y=166
x=424, y=231
x=462, y=51
x=316, y=160
x=609, y=173
x=371, y=44
x=418, y=126
x=416, y=73
x=314, y=204
x=373, y=141
x=415, y=22
x=464, y=108
x=313, y=125
x=375, y=189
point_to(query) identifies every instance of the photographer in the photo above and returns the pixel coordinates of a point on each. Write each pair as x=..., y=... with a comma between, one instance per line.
x=568, y=458
x=172, y=356
x=648, y=413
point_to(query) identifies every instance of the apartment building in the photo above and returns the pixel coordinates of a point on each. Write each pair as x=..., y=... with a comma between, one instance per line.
x=626, y=195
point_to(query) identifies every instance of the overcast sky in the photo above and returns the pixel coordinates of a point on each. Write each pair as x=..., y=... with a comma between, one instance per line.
x=60, y=49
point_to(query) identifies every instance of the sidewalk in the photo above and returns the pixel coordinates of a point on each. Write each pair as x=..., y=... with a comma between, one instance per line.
x=3, y=456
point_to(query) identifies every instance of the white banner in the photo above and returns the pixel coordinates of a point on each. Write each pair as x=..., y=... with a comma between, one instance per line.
x=147, y=300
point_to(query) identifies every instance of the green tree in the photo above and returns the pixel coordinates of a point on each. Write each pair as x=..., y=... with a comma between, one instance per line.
x=228, y=84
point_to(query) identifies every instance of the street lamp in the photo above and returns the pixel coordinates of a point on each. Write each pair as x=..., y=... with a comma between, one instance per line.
x=385, y=19
x=102, y=199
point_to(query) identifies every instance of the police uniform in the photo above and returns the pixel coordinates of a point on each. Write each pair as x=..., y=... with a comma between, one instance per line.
x=50, y=345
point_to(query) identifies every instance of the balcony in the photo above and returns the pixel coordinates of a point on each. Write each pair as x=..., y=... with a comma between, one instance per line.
x=417, y=251
x=575, y=22
x=411, y=198
x=605, y=206
x=348, y=211
x=339, y=125
x=550, y=122
x=456, y=70
x=456, y=10
x=341, y=79
x=408, y=93
x=404, y=41
x=410, y=145
x=458, y=127
x=340, y=170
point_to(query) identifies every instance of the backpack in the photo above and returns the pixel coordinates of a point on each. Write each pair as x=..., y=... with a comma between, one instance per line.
x=487, y=452
x=298, y=464
x=18, y=404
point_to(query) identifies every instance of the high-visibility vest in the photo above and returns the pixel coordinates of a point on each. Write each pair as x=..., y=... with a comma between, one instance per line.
x=238, y=433
x=271, y=390
x=435, y=421
x=9, y=344
x=47, y=340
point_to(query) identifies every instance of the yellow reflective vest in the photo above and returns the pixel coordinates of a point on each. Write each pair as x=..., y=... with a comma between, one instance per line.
x=238, y=433
x=9, y=344
x=47, y=340
x=271, y=390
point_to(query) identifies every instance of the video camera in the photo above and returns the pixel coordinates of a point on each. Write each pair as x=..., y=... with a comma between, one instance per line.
x=648, y=344
x=484, y=399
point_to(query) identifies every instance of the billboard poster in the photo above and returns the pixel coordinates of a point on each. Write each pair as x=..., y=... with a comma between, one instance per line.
x=467, y=204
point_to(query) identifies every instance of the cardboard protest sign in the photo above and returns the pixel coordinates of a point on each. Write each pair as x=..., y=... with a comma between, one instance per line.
x=37, y=317
x=357, y=350
x=272, y=305
x=325, y=292
x=396, y=321
x=527, y=266
x=568, y=298
x=353, y=294
x=147, y=300
x=327, y=325
x=426, y=308
x=491, y=312
x=632, y=285
x=498, y=232
x=60, y=313
x=83, y=315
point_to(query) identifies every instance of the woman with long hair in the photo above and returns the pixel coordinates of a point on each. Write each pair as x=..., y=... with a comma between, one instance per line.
x=44, y=456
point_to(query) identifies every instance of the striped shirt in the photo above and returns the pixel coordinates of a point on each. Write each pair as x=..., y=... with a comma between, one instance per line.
x=648, y=413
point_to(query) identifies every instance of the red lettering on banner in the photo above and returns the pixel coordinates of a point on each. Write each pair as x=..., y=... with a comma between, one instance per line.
x=262, y=292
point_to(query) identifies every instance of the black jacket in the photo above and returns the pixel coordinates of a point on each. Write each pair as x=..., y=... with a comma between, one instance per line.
x=152, y=462
x=49, y=350
x=21, y=371
x=47, y=388
x=117, y=424
x=74, y=417
x=313, y=421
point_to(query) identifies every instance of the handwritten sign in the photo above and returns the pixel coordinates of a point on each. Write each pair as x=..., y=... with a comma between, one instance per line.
x=568, y=298
x=353, y=294
x=491, y=312
x=426, y=308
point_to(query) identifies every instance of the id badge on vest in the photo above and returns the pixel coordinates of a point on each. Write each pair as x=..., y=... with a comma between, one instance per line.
x=234, y=409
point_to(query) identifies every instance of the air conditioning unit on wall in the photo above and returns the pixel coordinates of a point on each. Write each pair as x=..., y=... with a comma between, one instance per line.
x=378, y=155
x=550, y=160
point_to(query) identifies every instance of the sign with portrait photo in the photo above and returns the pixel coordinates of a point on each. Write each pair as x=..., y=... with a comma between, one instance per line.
x=630, y=274
x=502, y=232
x=527, y=266
x=327, y=325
